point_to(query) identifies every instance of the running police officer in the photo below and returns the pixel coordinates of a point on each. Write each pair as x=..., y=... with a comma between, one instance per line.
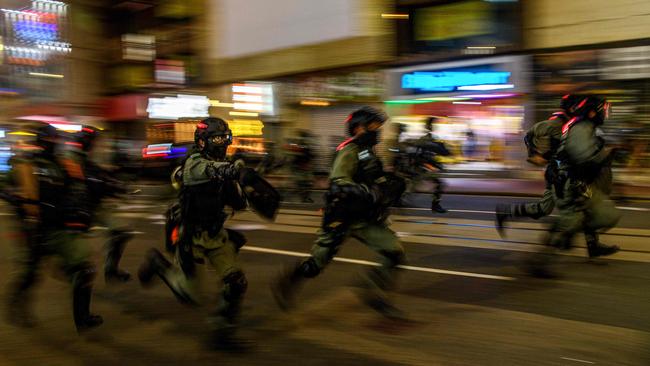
x=357, y=202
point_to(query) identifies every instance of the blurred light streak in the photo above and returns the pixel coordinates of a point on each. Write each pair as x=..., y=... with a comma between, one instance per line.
x=481, y=47
x=394, y=16
x=486, y=87
x=249, y=106
x=488, y=96
x=21, y=133
x=216, y=103
x=474, y=103
x=244, y=114
x=247, y=98
x=317, y=103
x=55, y=76
x=66, y=126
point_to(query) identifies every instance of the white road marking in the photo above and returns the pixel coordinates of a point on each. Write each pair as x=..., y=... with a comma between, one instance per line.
x=633, y=208
x=577, y=360
x=134, y=207
x=375, y=264
x=247, y=227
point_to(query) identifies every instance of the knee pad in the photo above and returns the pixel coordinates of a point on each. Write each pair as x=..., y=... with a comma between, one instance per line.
x=83, y=275
x=309, y=268
x=235, y=285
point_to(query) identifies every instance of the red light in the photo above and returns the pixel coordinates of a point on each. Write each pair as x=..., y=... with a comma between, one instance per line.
x=89, y=130
x=75, y=144
x=201, y=125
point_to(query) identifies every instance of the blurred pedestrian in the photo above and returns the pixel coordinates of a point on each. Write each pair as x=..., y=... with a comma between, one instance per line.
x=55, y=205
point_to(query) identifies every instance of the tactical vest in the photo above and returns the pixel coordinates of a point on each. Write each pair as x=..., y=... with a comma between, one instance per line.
x=203, y=207
x=369, y=168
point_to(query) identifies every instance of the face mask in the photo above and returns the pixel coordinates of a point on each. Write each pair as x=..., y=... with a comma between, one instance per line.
x=368, y=138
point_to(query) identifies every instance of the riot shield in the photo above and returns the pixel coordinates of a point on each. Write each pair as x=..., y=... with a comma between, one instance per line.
x=261, y=196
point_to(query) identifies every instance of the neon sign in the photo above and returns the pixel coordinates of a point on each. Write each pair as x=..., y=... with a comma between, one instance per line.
x=446, y=81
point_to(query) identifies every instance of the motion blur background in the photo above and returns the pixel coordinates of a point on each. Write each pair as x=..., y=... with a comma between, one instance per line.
x=146, y=70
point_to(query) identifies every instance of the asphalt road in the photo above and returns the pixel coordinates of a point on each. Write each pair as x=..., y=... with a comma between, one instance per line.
x=468, y=301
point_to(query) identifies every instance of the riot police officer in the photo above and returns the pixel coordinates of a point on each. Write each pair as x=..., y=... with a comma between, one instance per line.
x=582, y=183
x=209, y=184
x=543, y=142
x=428, y=147
x=101, y=185
x=55, y=214
x=357, y=202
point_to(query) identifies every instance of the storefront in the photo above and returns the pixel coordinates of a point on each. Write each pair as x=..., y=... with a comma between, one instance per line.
x=320, y=103
x=481, y=105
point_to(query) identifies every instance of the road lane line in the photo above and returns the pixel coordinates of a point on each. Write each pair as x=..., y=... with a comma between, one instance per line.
x=577, y=360
x=633, y=208
x=375, y=264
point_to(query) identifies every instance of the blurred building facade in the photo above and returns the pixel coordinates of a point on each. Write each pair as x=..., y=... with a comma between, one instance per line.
x=148, y=69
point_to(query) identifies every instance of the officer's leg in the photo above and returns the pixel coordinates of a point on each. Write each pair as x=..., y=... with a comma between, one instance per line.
x=19, y=294
x=114, y=250
x=180, y=283
x=81, y=272
x=535, y=210
x=322, y=253
x=564, y=228
x=234, y=286
x=381, y=279
x=438, y=188
x=602, y=214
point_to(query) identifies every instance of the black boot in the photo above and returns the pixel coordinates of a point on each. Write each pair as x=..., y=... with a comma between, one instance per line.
x=115, y=249
x=436, y=207
x=503, y=213
x=286, y=286
x=81, y=295
x=154, y=264
x=597, y=249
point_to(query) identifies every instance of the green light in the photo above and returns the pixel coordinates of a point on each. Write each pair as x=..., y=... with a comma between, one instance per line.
x=407, y=101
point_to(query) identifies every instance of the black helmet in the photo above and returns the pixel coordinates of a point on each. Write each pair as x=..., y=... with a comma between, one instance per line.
x=87, y=136
x=363, y=117
x=567, y=101
x=215, y=134
x=585, y=104
x=428, y=124
x=46, y=137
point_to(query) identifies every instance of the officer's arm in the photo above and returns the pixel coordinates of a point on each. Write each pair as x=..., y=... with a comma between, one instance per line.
x=585, y=146
x=345, y=166
x=204, y=169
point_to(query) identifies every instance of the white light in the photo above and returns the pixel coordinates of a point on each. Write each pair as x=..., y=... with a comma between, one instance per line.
x=474, y=103
x=247, y=98
x=66, y=127
x=249, y=106
x=486, y=87
x=54, y=76
x=2, y=134
x=182, y=106
x=481, y=47
x=247, y=89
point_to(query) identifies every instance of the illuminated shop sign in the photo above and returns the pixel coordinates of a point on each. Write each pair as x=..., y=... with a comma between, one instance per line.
x=181, y=106
x=447, y=81
x=251, y=97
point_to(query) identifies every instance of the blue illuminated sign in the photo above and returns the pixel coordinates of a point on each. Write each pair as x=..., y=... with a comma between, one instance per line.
x=445, y=81
x=36, y=31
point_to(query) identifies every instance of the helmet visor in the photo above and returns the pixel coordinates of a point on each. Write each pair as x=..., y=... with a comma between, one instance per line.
x=221, y=139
